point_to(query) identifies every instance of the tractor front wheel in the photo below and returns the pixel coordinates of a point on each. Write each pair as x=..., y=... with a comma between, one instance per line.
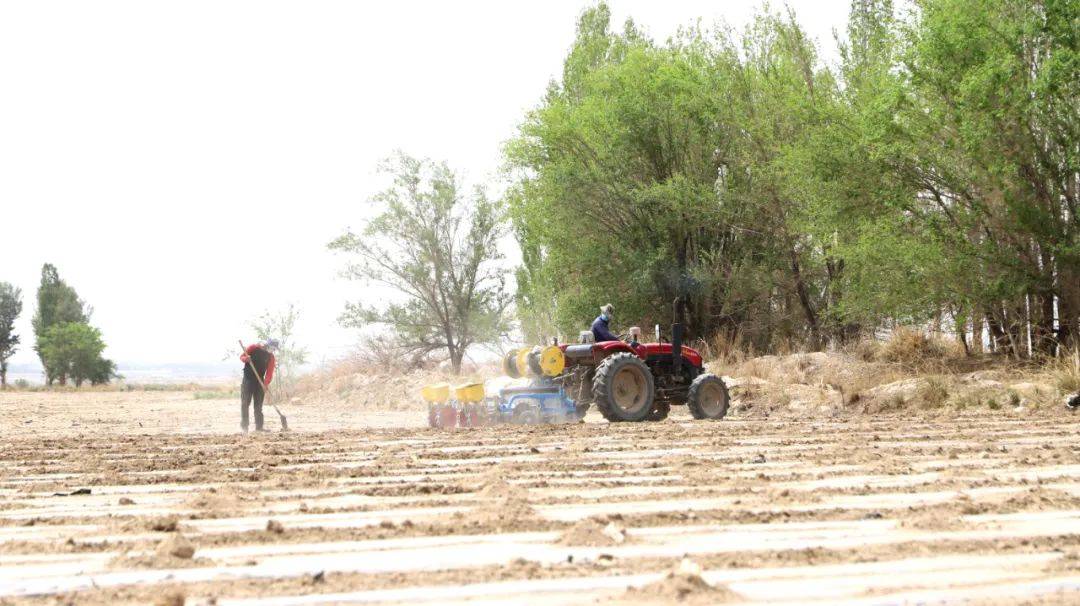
x=708, y=397
x=623, y=388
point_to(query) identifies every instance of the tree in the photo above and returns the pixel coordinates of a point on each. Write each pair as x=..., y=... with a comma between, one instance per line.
x=613, y=178
x=73, y=349
x=57, y=303
x=290, y=357
x=934, y=176
x=438, y=249
x=652, y=172
x=973, y=123
x=10, y=308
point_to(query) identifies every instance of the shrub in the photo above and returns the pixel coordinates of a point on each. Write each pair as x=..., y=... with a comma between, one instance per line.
x=912, y=347
x=933, y=393
x=1065, y=372
x=215, y=395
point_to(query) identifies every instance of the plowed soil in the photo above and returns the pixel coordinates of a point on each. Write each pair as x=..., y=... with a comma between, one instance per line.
x=155, y=498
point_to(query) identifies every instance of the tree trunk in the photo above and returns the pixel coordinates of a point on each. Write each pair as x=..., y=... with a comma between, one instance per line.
x=456, y=355
x=1045, y=341
x=976, y=332
x=999, y=343
x=1068, y=307
x=3, y=374
x=834, y=271
x=1012, y=327
x=1068, y=324
x=961, y=331
x=804, y=301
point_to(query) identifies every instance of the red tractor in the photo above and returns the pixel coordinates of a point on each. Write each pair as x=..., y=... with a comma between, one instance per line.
x=632, y=381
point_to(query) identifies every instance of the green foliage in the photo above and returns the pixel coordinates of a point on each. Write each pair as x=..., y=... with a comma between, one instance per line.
x=10, y=308
x=934, y=174
x=73, y=350
x=984, y=125
x=57, y=303
x=65, y=342
x=653, y=172
x=438, y=250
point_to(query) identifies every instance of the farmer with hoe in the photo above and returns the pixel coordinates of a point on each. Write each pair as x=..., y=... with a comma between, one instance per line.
x=600, y=326
x=257, y=358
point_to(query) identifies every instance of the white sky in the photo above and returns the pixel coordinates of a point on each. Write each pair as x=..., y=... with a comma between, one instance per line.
x=184, y=164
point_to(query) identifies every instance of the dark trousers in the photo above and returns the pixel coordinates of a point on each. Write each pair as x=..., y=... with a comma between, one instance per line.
x=251, y=390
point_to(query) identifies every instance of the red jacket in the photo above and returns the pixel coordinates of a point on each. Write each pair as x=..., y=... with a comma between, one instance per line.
x=263, y=358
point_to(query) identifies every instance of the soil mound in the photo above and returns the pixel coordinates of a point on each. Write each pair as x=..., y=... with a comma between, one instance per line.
x=394, y=458
x=943, y=516
x=175, y=551
x=174, y=597
x=492, y=483
x=683, y=585
x=573, y=450
x=592, y=533
x=498, y=488
x=225, y=498
x=1037, y=499
x=162, y=523
x=175, y=546
x=509, y=511
x=933, y=520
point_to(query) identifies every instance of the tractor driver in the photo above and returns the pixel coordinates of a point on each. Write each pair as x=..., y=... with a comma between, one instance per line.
x=600, y=329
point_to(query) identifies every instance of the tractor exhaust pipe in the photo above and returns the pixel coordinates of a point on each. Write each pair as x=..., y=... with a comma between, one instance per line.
x=677, y=336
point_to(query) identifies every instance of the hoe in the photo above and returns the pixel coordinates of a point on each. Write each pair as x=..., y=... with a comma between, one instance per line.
x=266, y=391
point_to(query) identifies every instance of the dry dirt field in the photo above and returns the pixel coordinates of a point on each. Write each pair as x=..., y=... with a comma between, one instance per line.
x=110, y=498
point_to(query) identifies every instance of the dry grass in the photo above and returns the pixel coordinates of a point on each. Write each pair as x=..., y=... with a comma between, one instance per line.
x=724, y=350
x=372, y=381
x=121, y=386
x=912, y=347
x=909, y=370
x=1065, y=372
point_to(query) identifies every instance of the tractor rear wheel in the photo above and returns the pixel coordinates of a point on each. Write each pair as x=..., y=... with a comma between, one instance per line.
x=708, y=397
x=660, y=411
x=623, y=388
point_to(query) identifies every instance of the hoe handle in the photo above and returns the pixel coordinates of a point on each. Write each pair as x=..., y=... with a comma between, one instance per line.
x=266, y=390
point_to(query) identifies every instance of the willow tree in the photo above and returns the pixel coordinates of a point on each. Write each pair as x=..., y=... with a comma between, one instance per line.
x=979, y=118
x=436, y=249
x=655, y=171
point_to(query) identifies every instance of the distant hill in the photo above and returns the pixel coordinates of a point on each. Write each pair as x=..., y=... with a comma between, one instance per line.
x=172, y=372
